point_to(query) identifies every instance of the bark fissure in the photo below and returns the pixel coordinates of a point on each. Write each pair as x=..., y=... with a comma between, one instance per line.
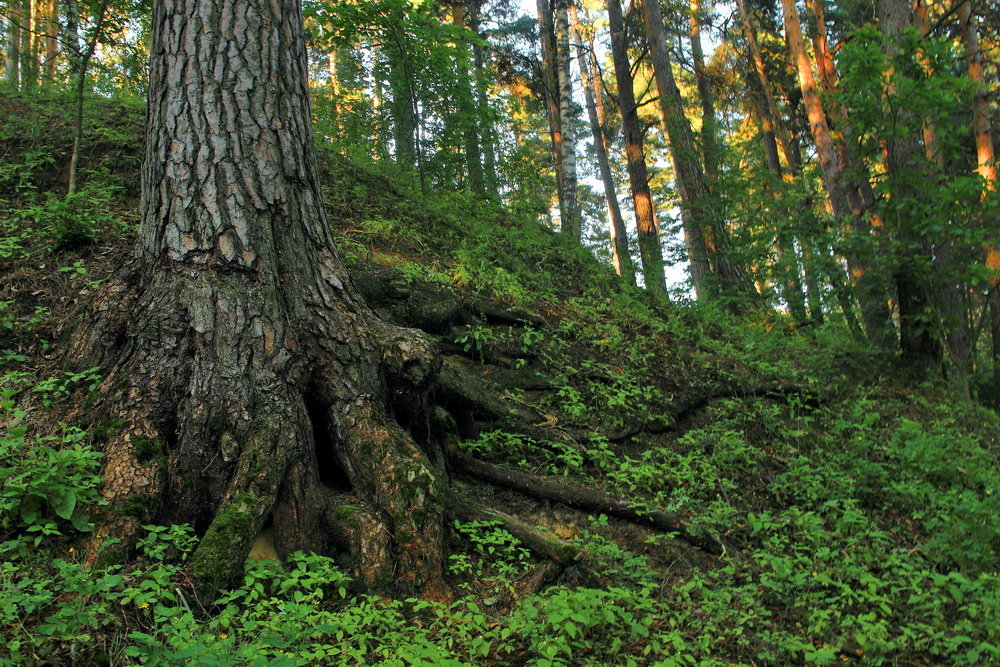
x=257, y=381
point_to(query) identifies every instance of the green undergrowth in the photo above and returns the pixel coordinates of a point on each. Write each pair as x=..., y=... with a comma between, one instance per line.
x=859, y=509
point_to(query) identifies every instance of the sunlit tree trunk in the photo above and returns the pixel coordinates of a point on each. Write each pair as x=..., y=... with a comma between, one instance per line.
x=986, y=166
x=773, y=116
x=709, y=245
x=650, y=252
x=871, y=294
x=253, y=381
x=550, y=91
x=593, y=96
x=709, y=125
x=48, y=38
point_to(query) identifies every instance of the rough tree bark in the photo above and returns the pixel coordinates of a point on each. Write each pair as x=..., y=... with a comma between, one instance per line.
x=650, y=253
x=253, y=382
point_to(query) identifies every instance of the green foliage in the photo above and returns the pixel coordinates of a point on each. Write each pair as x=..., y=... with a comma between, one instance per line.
x=47, y=481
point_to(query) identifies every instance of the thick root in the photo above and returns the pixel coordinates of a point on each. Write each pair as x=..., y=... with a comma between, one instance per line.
x=244, y=509
x=587, y=499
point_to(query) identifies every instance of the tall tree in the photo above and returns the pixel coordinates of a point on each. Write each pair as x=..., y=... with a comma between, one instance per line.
x=549, y=80
x=571, y=221
x=253, y=380
x=12, y=62
x=709, y=124
x=918, y=332
x=593, y=94
x=715, y=270
x=982, y=131
x=650, y=252
x=468, y=112
x=844, y=204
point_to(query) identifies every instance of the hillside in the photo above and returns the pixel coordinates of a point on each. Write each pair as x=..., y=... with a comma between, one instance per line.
x=630, y=482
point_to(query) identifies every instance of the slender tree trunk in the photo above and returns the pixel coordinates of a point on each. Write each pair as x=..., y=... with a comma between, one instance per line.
x=550, y=92
x=918, y=325
x=986, y=166
x=71, y=33
x=709, y=125
x=253, y=381
x=648, y=229
x=786, y=255
x=15, y=24
x=813, y=284
x=620, y=256
x=773, y=116
x=82, y=67
x=571, y=220
x=871, y=294
x=467, y=110
x=49, y=24
x=487, y=126
x=709, y=247
x=404, y=125
x=29, y=57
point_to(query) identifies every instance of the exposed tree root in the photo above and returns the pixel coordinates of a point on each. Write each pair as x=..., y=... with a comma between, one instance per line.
x=542, y=543
x=681, y=411
x=586, y=498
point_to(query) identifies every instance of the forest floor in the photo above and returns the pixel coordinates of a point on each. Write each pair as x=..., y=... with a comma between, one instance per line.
x=634, y=483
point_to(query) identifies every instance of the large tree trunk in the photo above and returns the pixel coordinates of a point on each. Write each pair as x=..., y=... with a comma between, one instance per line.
x=255, y=384
x=648, y=229
x=621, y=258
